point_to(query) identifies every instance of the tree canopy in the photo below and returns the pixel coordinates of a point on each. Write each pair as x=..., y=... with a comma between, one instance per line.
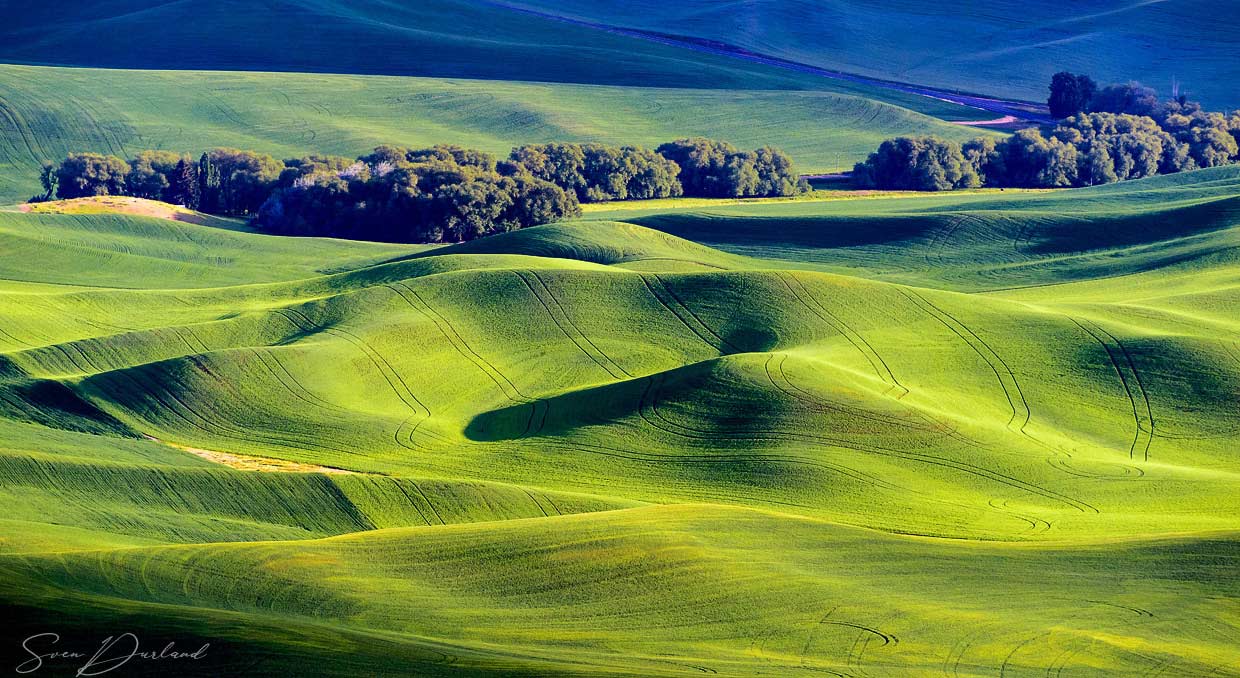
x=437, y=194
x=1118, y=133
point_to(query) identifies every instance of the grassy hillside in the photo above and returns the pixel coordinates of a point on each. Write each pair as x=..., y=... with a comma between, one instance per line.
x=439, y=38
x=46, y=113
x=597, y=449
x=976, y=241
x=1001, y=48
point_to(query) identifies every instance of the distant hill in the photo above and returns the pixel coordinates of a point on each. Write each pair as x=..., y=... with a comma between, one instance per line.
x=48, y=112
x=998, y=47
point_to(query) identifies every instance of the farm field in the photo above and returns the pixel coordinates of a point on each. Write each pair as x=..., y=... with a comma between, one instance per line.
x=984, y=434
x=1001, y=48
x=1004, y=48
x=46, y=113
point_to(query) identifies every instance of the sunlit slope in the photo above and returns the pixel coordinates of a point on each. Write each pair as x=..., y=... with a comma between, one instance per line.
x=984, y=241
x=686, y=590
x=961, y=415
x=46, y=113
x=596, y=449
x=122, y=251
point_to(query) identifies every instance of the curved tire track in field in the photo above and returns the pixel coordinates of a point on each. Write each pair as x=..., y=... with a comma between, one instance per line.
x=421, y=413
x=855, y=338
x=820, y=404
x=1145, y=396
x=701, y=329
x=1015, y=397
x=510, y=391
x=182, y=411
x=817, y=403
x=310, y=396
x=723, y=343
x=1115, y=364
x=605, y=363
x=569, y=319
x=662, y=302
x=648, y=411
x=1021, y=411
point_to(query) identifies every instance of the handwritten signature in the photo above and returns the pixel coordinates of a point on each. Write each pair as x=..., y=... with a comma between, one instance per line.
x=113, y=653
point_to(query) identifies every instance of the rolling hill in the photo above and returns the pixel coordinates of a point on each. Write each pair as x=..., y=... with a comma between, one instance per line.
x=46, y=113
x=999, y=48
x=598, y=449
x=1004, y=48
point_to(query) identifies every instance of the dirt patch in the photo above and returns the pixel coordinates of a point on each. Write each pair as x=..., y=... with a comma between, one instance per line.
x=1005, y=120
x=118, y=205
x=245, y=462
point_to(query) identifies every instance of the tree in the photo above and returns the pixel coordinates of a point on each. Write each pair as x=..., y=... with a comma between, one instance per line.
x=89, y=174
x=918, y=164
x=1097, y=167
x=183, y=189
x=150, y=174
x=474, y=209
x=1132, y=98
x=208, y=185
x=1032, y=161
x=1070, y=94
x=984, y=159
x=464, y=157
x=49, y=179
x=650, y=175
x=316, y=204
x=703, y=165
x=1212, y=146
x=540, y=202
x=246, y=179
x=560, y=163
x=776, y=174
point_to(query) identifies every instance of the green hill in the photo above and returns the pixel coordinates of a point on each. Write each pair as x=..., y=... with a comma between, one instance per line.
x=1004, y=48
x=984, y=240
x=48, y=113
x=597, y=449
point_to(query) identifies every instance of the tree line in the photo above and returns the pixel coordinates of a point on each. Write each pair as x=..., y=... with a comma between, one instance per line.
x=1114, y=134
x=445, y=193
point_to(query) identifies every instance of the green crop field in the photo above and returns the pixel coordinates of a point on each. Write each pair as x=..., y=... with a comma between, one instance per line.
x=995, y=47
x=46, y=113
x=976, y=435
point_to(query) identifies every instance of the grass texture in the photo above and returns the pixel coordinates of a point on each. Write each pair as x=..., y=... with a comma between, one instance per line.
x=996, y=47
x=976, y=435
x=46, y=113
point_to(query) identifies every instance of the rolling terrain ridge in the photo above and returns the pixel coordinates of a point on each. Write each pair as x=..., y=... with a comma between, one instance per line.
x=764, y=439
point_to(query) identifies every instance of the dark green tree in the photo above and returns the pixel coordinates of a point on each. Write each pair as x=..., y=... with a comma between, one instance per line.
x=917, y=164
x=89, y=174
x=48, y=178
x=183, y=189
x=1070, y=94
x=208, y=185
x=1132, y=98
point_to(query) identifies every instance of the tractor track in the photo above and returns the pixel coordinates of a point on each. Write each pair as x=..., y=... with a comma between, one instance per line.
x=855, y=338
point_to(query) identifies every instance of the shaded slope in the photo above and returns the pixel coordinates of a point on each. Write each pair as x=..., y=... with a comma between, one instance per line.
x=1002, y=48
